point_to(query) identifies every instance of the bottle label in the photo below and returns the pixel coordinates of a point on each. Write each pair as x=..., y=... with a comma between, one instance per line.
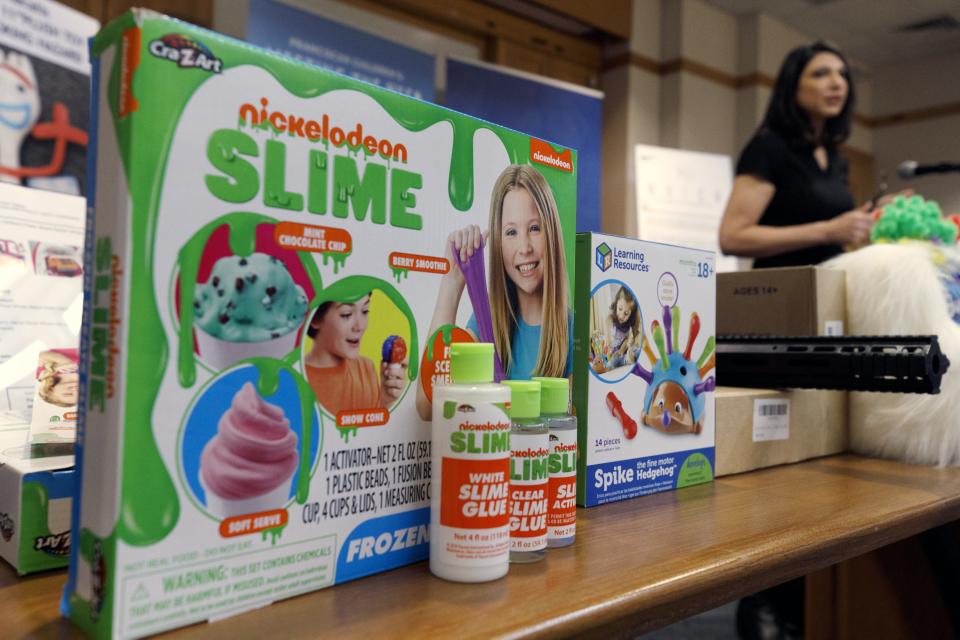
x=562, y=514
x=474, y=485
x=529, y=457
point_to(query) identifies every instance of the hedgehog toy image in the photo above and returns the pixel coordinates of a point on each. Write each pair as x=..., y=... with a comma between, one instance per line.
x=675, y=401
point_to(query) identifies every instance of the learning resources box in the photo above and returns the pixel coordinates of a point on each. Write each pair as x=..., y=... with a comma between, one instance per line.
x=643, y=368
x=36, y=490
x=271, y=297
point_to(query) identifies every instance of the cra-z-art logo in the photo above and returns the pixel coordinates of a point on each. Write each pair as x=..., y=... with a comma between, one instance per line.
x=57, y=544
x=186, y=52
x=604, y=257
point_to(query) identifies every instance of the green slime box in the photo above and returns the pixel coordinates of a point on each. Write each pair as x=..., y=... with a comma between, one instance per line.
x=268, y=308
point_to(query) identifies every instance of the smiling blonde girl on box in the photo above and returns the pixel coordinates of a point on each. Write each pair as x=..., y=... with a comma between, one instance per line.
x=532, y=324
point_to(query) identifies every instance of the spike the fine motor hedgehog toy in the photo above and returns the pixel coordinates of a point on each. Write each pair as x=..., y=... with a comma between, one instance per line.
x=674, y=402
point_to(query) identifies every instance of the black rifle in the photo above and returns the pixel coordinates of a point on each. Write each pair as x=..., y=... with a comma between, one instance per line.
x=902, y=364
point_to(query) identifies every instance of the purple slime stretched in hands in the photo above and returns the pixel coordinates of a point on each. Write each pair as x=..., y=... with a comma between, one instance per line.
x=475, y=272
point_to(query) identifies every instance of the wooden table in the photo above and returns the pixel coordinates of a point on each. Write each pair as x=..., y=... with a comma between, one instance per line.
x=635, y=566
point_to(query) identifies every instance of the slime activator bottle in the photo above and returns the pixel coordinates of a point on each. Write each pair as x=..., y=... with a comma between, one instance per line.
x=529, y=454
x=470, y=484
x=562, y=510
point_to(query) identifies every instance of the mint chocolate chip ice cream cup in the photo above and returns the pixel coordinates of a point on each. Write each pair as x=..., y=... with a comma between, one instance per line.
x=222, y=354
x=249, y=307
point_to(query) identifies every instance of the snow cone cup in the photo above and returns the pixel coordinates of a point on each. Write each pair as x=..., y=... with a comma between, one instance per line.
x=219, y=354
x=226, y=508
x=392, y=354
x=247, y=466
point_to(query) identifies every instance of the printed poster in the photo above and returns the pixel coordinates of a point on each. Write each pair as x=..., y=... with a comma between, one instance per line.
x=44, y=94
x=41, y=287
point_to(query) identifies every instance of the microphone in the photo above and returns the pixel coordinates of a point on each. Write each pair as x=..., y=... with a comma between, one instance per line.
x=912, y=169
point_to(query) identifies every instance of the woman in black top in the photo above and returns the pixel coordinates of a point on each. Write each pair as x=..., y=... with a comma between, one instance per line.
x=790, y=203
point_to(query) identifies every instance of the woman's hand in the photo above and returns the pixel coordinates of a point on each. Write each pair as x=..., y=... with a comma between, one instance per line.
x=464, y=242
x=887, y=199
x=852, y=227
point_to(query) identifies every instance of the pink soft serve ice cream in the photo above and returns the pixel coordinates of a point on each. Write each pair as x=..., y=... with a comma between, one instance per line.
x=254, y=451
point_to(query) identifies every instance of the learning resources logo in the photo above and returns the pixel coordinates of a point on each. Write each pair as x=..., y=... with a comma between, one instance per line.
x=607, y=257
x=604, y=257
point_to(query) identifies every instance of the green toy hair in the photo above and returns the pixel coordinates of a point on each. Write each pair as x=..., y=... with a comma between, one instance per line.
x=913, y=218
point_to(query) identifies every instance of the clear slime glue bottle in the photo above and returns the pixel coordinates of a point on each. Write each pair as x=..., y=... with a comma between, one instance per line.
x=529, y=454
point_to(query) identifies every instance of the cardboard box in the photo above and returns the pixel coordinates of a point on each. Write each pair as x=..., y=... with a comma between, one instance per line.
x=645, y=411
x=36, y=494
x=759, y=428
x=269, y=247
x=792, y=301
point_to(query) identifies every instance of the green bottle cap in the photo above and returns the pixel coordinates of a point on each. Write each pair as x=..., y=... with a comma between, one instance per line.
x=524, y=398
x=471, y=362
x=554, y=395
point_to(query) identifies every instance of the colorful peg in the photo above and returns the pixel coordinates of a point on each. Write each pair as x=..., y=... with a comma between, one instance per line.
x=661, y=347
x=711, y=361
x=616, y=409
x=676, y=328
x=692, y=337
x=707, y=350
x=668, y=325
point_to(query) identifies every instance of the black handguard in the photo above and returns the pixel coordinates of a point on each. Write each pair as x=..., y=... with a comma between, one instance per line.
x=900, y=364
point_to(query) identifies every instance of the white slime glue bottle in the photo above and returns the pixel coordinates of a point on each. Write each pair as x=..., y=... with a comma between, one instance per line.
x=470, y=458
x=529, y=454
x=562, y=511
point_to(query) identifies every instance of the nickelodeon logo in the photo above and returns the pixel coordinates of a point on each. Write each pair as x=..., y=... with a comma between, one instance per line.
x=542, y=153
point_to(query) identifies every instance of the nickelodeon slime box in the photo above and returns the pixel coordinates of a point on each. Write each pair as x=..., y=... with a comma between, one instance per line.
x=644, y=367
x=267, y=243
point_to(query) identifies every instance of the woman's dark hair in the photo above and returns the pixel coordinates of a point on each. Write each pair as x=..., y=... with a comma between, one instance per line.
x=787, y=118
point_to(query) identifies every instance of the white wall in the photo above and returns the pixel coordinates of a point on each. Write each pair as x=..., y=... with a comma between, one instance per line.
x=709, y=35
x=774, y=42
x=699, y=113
x=762, y=44
x=707, y=116
x=929, y=141
x=631, y=116
x=645, y=34
x=614, y=179
x=916, y=85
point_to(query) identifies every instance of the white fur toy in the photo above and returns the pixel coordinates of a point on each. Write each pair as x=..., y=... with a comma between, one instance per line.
x=906, y=288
